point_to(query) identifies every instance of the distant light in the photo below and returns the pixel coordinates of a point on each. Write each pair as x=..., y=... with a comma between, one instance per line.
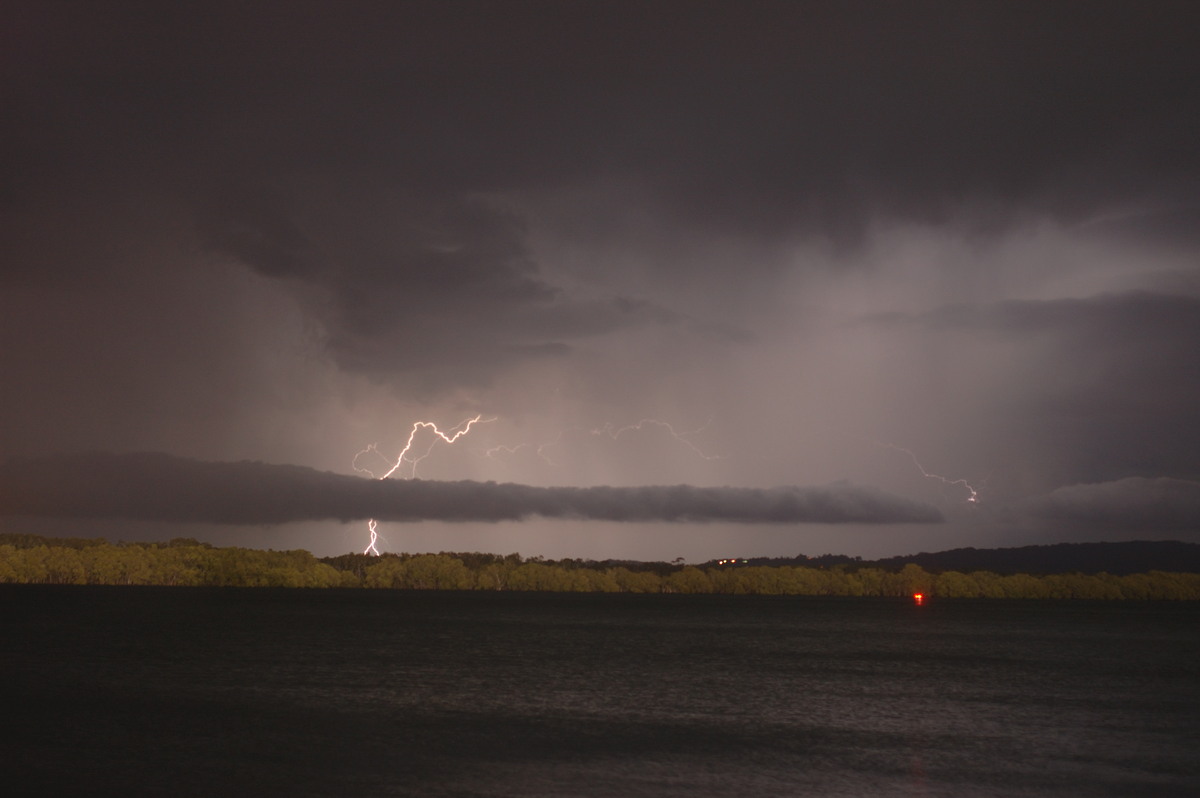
x=919, y=598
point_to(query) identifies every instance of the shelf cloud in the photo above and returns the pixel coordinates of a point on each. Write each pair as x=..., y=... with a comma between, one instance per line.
x=160, y=487
x=1135, y=503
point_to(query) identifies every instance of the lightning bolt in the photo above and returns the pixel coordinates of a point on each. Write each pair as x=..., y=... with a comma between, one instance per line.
x=973, y=498
x=370, y=549
x=539, y=449
x=614, y=433
x=449, y=436
x=409, y=455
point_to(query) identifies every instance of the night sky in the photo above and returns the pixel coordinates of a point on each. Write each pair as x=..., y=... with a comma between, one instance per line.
x=719, y=279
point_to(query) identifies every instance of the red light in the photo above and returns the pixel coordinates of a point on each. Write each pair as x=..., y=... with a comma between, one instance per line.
x=918, y=598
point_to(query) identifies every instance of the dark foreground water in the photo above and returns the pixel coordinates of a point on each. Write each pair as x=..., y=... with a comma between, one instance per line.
x=259, y=692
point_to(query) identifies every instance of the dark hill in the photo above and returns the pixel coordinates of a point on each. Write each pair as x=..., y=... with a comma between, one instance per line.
x=1089, y=558
x=1130, y=557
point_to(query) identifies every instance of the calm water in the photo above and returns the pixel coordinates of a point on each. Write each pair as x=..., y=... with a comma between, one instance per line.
x=261, y=692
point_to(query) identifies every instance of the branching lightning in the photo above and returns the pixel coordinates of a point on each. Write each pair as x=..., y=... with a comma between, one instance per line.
x=973, y=498
x=449, y=436
x=614, y=433
x=539, y=449
x=410, y=455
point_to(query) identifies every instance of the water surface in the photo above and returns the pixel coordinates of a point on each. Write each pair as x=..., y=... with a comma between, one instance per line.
x=194, y=691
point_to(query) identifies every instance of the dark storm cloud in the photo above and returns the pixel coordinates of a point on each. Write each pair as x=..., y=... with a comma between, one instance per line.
x=1136, y=504
x=1108, y=383
x=409, y=282
x=164, y=488
x=263, y=120
x=764, y=116
x=1134, y=318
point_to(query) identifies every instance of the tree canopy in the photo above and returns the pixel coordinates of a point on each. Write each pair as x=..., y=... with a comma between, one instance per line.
x=29, y=559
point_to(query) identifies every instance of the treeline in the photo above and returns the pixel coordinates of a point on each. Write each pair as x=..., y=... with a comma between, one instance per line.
x=34, y=560
x=449, y=572
x=29, y=560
